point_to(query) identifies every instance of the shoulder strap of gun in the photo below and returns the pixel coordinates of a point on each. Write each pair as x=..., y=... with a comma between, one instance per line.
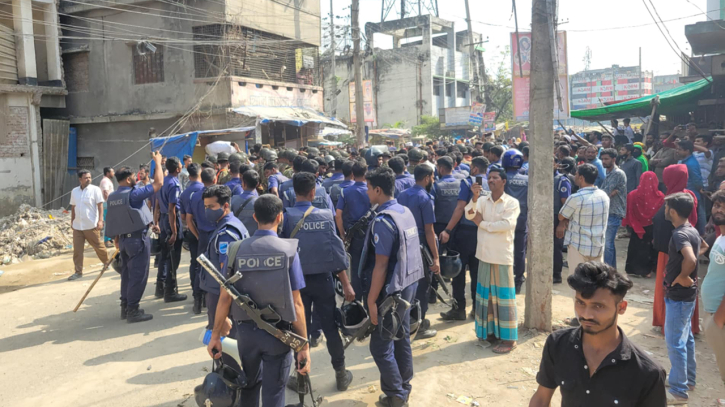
x=301, y=222
x=244, y=205
x=233, y=249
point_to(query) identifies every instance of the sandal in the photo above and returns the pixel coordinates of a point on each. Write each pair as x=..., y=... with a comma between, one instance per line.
x=503, y=348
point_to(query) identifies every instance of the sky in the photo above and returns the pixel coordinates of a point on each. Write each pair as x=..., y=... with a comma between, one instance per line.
x=614, y=30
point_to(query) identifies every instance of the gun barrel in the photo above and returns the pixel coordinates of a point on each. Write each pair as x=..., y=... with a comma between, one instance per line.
x=209, y=267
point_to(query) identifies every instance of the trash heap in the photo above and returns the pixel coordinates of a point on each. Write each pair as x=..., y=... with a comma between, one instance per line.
x=34, y=232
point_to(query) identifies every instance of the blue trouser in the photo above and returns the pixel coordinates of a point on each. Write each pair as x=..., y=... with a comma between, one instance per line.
x=421, y=294
x=356, y=248
x=170, y=259
x=194, y=267
x=266, y=362
x=610, y=251
x=204, y=238
x=465, y=241
x=135, y=252
x=395, y=358
x=680, y=345
x=314, y=326
x=212, y=299
x=319, y=295
x=520, y=236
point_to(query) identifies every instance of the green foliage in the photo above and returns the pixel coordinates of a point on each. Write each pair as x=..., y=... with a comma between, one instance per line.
x=500, y=86
x=396, y=125
x=429, y=126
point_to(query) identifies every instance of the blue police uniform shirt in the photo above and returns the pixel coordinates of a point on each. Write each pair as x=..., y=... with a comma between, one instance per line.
x=465, y=193
x=185, y=199
x=248, y=194
x=421, y=206
x=197, y=211
x=517, y=185
x=336, y=176
x=137, y=197
x=464, y=167
x=402, y=182
x=296, y=278
x=355, y=199
x=224, y=240
x=235, y=184
x=170, y=193
x=349, y=183
x=385, y=239
x=524, y=168
x=273, y=182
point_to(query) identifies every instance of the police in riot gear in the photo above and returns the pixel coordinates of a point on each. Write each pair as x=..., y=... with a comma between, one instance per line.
x=171, y=233
x=445, y=193
x=223, y=175
x=336, y=178
x=272, y=277
x=127, y=222
x=518, y=187
x=288, y=197
x=243, y=205
x=374, y=156
x=199, y=226
x=321, y=254
x=391, y=265
x=322, y=199
x=336, y=189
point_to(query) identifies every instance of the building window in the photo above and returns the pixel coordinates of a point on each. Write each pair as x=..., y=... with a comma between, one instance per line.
x=76, y=71
x=449, y=89
x=437, y=83
x=461, y=90
x=148, y=66
x=86, y=163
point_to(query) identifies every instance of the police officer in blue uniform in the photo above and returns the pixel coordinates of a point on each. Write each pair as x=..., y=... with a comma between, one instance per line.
x=171, y=236
x=127, y=222
x=322, y=198
x=243, y=205
x=321, y=254
x=518, y=187
x=336, y=190
x=352, y=205
x=274, y=177
x=199, y=226
x=217, y=211
x=336, y=178
x=420, y=203
x=562, y=191
x=391, y=264
x=277, y=285
x=465, y=240
x=374, y=157
x=235, y=184
x=402, y=181
x=445, y=193
x=286, y=186
x=190, y=237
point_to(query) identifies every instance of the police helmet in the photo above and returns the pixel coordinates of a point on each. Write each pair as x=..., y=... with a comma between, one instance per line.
x=415, y=155
x=222, y=157
x=212, y=159
x=116, y=264
x=512, y=158
x=215, y=390
x=350, y=317
x=451, y=265
x=239, y=157
x=329, y=159
x=268, y=154
x=313, y=151
x=371, y=155
x=415, y=317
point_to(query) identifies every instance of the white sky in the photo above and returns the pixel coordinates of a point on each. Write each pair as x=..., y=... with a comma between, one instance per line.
x=589, y=24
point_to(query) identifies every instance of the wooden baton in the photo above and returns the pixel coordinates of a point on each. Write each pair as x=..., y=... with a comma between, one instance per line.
x=105, y=267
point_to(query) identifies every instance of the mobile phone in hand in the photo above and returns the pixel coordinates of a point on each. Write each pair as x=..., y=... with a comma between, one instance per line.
x=479, y=179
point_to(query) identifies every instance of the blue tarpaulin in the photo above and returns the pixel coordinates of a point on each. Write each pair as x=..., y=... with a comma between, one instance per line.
x=174, y=146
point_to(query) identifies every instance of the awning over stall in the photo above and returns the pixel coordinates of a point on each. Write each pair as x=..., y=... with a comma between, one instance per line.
x=674, y=100
x=292, y=115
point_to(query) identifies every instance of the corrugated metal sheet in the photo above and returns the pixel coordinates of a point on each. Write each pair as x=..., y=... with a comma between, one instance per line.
x=55, y=160
x=8, y=62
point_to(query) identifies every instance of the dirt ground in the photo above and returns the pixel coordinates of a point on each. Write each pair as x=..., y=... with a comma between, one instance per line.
x=50, y=356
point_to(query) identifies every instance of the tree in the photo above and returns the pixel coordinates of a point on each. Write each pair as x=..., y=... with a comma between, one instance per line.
x=429, y=126
x=499, y=85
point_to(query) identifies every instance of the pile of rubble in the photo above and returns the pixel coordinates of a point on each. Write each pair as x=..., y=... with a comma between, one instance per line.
x=34, y=232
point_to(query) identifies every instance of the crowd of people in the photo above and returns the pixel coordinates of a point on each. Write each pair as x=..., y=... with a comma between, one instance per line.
x=305, y=226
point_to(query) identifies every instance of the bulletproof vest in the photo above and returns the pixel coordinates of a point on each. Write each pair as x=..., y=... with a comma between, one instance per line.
x=408, y=268
x=320, y=249
x=122, y=218
x=517, y=185
x=329, y=183
x=264, y=263
x=557, y=192
x=320, y=201
x=237, y=231
x=280, y=179
x=335, y=193
x=460, y=175
x=284, y=193
x=446, y=199
x=243, y=209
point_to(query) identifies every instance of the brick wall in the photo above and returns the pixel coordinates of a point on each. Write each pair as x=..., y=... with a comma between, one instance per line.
x=76, y=71
x=16, y=144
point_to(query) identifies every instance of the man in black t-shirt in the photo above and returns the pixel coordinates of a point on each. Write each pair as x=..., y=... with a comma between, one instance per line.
x=680, y=293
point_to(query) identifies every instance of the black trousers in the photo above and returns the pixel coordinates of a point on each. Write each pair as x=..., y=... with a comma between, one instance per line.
x=558, y=251
x=170, y=258
x=465, y=241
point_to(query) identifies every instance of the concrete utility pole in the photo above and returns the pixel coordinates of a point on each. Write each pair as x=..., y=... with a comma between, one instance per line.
x=402, y=9
x=357, y=63
x=473, y=66
x=333, y=78
x=540, y=254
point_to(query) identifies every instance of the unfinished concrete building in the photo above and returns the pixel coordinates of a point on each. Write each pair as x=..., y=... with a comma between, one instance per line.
x=428, y=68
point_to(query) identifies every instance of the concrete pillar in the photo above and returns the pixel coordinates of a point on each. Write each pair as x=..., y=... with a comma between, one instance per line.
x=24, y=42
x=52, y=46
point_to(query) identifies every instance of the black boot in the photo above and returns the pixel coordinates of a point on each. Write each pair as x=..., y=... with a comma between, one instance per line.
x=197, y=305
x=123, y=310
x=135, y=314
x=455, y=314
x=159, y=289
x=171, y=295
x=432, y=298
x=424, y=331
x=386, y=401
x=343, y=378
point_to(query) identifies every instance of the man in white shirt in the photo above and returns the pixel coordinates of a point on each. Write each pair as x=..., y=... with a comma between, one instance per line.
x=106, y=189
x=628, y=130
x=86, y=221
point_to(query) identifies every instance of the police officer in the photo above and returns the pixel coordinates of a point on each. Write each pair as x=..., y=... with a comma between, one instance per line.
x=321, y=254
x=415, y=156
x=171, y=235
x=518, y=187
x=190, y=235
x=352, y=205
x=374, y=157
x=445, y=193
x=402, y=181
x=465, y=240
x=391, y=264
x=217, y=211
x=418, y=200
x=223, y=175
x=127, y=222
x=322, y=199
x=274, y=177
x=286, y=192
x=200, y=227
x=562, y=191
x=336, y=189
x=336, y=178
x=243, y=205
x=234, y=183
x=272, y=276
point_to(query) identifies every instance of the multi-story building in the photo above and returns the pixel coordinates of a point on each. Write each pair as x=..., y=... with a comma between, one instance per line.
x=427, y=69
x=141, y=68
x=598, y=87
x=31, y=87
x=661, y=83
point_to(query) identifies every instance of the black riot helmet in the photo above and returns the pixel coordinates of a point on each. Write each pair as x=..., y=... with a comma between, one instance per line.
x=451, y=265
x=415, y=317
x=350, y=317
x=116, y=263
x=215, y=390
x=371, y=155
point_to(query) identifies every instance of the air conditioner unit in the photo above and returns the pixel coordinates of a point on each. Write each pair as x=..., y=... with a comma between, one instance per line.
x=450, y=74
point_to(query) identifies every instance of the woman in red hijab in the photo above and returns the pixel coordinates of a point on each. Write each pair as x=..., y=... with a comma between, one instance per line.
x=675, y=179
x=642, y=205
